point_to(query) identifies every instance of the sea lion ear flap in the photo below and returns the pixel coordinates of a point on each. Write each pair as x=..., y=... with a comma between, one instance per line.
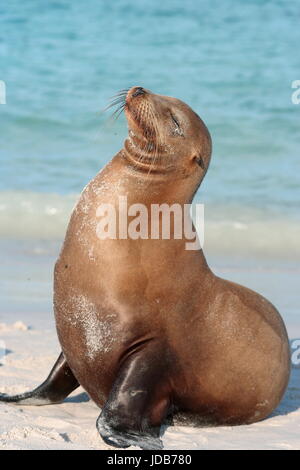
x=199, y=160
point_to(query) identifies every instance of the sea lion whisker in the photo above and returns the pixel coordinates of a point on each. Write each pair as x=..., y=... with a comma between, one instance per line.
x=124, y=90
x=114, y=103
x=120, y=93
x=117, y=113
x=118, y=97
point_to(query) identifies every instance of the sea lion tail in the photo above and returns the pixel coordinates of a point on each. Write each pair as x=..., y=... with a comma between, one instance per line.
x=35, y=397
x=58, y=385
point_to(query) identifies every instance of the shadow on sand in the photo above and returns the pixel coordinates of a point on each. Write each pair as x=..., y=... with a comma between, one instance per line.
x=80, y=398
x=291, y=399
x=289, y=403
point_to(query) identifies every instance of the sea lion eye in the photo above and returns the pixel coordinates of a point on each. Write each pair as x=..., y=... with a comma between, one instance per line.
x=175, y=120
x=177, y=129
x=199, y=160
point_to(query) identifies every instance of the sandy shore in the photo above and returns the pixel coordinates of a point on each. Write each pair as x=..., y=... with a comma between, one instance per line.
x=32, y=347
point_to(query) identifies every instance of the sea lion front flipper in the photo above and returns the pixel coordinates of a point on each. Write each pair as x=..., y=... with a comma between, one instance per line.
x=58, y=385
x=138, y=402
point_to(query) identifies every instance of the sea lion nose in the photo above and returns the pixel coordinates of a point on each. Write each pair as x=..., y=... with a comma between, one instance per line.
x=137, y=90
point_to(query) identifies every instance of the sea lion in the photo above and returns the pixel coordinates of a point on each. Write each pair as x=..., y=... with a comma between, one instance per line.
x=144, y=325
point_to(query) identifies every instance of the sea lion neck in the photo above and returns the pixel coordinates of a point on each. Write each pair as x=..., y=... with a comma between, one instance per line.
x=147, y=157
x=144, y=186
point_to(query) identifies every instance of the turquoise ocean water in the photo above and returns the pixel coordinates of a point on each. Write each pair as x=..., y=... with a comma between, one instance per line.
x=233, y=61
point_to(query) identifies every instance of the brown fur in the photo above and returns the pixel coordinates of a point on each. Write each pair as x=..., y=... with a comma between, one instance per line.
x=228, y=345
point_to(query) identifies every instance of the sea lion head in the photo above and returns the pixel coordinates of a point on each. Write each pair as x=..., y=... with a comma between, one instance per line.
x=165, y=134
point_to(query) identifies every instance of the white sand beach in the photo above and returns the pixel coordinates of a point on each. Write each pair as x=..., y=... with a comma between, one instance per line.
x=62, y=65
x=28, y=330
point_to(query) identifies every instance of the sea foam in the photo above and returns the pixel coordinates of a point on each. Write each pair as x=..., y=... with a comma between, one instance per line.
x=236, y=229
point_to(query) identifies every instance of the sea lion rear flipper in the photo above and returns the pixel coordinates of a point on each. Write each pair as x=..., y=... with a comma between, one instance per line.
x=58, y=385
x=138, y=402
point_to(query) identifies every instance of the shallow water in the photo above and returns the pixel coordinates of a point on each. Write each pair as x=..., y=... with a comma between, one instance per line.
x=233, y=62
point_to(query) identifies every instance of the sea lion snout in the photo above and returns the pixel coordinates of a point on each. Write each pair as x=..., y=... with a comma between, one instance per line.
x=138, y=91
x=134, y=92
